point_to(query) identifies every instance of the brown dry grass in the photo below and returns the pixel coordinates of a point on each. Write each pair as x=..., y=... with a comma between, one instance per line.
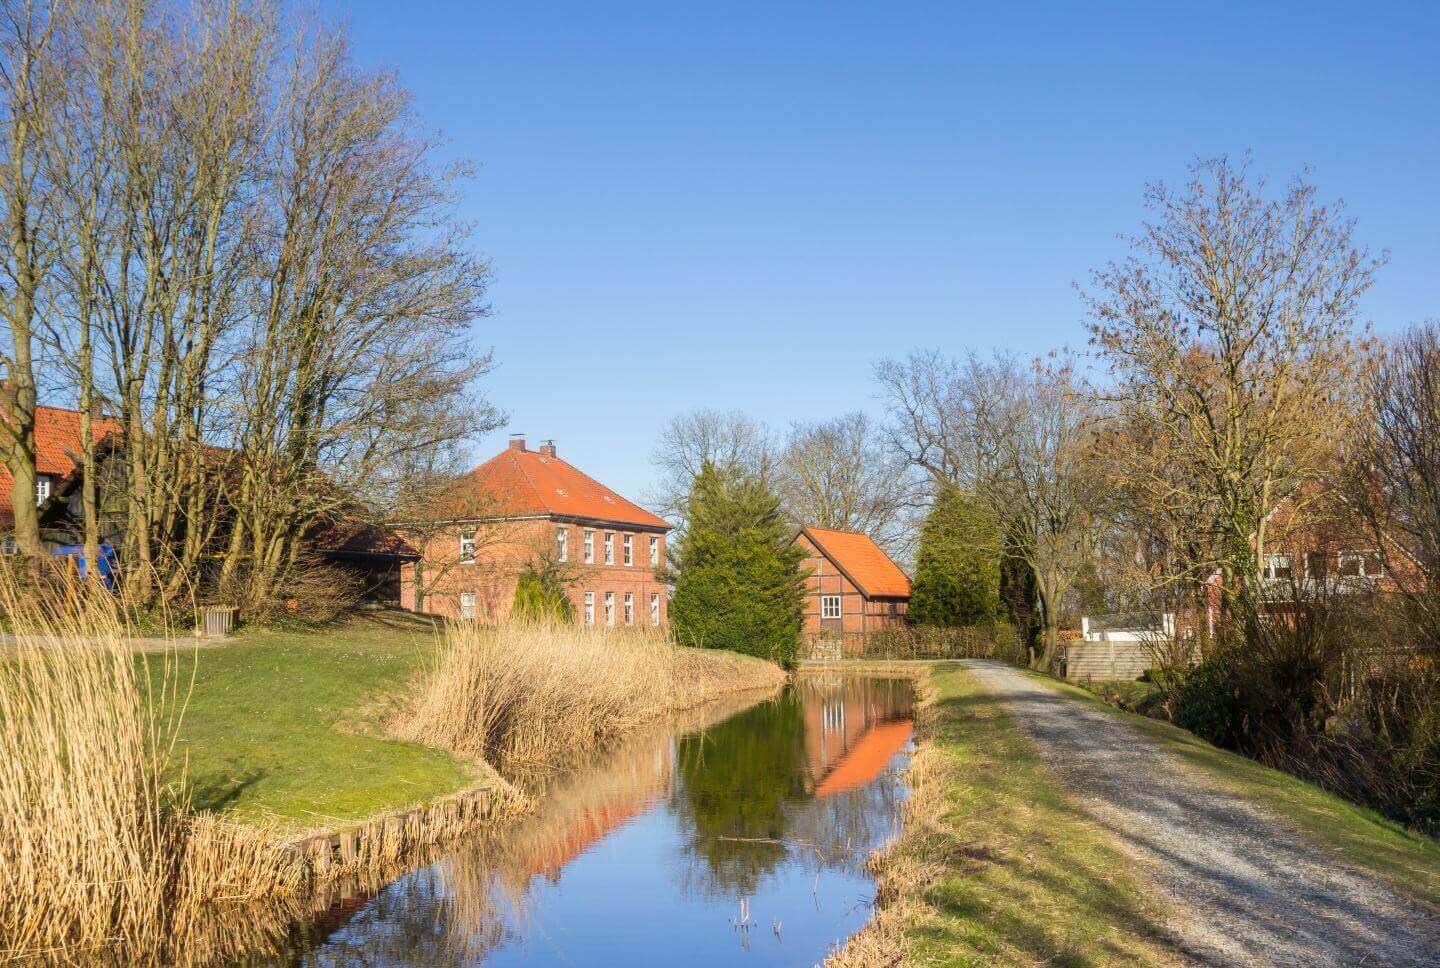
x=526, y=694
x=98, y=856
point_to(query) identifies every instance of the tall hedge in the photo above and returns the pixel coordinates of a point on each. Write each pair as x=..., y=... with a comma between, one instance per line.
x=738, y=578
x=957, y=567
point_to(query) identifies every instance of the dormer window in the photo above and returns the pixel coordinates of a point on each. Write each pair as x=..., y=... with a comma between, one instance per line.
x=43, y=484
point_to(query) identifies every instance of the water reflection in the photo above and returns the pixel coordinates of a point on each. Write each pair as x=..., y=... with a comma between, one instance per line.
x=747, y=835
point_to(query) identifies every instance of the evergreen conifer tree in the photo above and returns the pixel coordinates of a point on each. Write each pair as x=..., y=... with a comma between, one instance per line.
x=738, y=583
x=957, y=568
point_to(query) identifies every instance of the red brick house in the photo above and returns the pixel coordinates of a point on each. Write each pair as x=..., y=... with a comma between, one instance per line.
x=853, y=587
x=57, y=474
x=525, y=507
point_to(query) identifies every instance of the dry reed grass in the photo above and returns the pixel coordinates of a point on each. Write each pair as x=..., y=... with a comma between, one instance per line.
x=99, y=859
x=526, y=694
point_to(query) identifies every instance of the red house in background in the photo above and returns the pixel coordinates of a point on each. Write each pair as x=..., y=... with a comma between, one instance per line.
x=525, y=507
x=853, y=588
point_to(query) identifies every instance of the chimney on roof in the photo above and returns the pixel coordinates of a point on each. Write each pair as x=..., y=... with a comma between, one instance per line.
x=517, y=441
x=548, y=448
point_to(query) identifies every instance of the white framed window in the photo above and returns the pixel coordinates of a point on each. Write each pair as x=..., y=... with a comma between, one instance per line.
x=609, y=608
x=1277, y=567
x=829, y=606
x=654, y=608
x=589, y=547
x=1359, y=564
x=9, y=546
x=467, y=546
x=629, y=609
x=562, y=544
x=589, y=608
x=609, y=547
x=42, y=488
x=628, y=549
x=467, y=606
x=654, y=551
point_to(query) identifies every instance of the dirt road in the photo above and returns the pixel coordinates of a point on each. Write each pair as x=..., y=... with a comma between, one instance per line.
x=1247, y=887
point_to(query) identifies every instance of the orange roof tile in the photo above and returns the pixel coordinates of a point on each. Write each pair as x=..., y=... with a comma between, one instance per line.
x=862, y=560
x=518, y=482
x=57, y=446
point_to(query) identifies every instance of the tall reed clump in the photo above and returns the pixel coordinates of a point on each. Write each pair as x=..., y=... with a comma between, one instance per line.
x=98, y=856
x=541, y=693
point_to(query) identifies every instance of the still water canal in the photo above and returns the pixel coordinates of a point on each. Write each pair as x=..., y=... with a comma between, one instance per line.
x=738, y=841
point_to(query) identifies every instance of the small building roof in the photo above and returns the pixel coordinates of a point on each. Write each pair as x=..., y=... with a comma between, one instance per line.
x=518, y=482
x=862, y=561
x=57, y=447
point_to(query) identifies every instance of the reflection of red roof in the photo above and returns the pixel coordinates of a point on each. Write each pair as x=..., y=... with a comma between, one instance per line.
x=57, y=446
x=868, y=758
x=519, y=482
x=862, y=560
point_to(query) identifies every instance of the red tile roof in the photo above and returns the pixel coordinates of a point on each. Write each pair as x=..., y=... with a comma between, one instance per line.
x=517, y=482
x=862, y=561
x=57, y=446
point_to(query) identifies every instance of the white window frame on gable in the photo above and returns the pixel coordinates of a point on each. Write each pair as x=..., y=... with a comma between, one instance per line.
x=654, y=608
x=610, y=608
x=627, y=549
x=609, y=547
x=589, y=608
x=43, y=485
x=589, y=547
x=1365, y=564
x=467, y=546
x=562, y=544
x=629, y=609
x=469, y=603
x=654, y=551
x=830, y=607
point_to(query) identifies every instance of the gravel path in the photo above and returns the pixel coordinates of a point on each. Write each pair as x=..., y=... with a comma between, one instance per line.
x=1249, y=889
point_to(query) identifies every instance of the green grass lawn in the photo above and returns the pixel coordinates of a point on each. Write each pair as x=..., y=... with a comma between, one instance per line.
x=284, y=727
x=998, y=866
x=1360, y=836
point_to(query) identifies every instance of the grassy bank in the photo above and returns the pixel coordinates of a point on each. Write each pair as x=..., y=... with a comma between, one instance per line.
x=288, y=728
x=1360, y=836
x=996, y=865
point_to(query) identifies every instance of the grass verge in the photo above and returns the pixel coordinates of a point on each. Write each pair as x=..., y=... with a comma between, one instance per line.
x=1360, y=837
x=996, y=866
x=286, y=728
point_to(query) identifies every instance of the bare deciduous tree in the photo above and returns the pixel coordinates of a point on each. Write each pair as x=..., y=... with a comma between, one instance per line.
x=841, y=474
x=728, y=440
x=1231, y=337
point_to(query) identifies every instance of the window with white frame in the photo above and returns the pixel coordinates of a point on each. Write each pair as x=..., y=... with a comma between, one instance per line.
x=1277, y=567
x=562, y=544
x=609, y=547
x=589, y=547
x=42, y=488
x=654, y=609
x=9, y=546
x=609, y=608
x=829, y=606
x=467, y=546
x=1359, y=564
x=628, y=548
x=467, y=606
x=654, y=552
x=589, y=608
x=629, y=609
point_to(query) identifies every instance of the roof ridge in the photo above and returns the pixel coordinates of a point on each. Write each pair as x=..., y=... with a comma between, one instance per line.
x=514, y=456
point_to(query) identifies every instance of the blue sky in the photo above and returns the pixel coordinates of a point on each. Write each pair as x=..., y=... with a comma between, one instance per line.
x=745, y=205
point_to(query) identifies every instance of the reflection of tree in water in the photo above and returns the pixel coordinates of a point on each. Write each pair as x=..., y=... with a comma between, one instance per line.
x=733, y=781
x=744, y=788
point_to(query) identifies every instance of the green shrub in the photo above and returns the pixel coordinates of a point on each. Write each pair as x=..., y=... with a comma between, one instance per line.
x=1209, y=699
x=540, y=596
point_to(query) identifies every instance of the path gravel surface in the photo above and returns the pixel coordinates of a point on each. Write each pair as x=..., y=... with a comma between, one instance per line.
x=1246, y=886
